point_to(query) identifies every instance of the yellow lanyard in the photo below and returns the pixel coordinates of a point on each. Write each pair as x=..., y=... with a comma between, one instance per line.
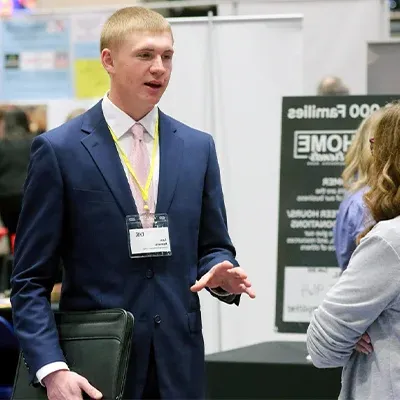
x=143, y=190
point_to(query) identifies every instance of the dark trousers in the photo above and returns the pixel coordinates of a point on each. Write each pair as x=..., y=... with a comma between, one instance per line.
x=151, y=388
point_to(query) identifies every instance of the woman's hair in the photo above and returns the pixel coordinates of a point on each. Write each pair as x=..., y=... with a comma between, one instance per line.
x=16, y=123
x=358, y=158
x=383, y=197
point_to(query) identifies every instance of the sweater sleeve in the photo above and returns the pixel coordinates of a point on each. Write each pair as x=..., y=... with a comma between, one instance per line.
x=363, y=292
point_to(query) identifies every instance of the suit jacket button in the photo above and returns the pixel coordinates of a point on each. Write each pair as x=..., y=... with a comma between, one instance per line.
x=157, y=319
x=149, y=273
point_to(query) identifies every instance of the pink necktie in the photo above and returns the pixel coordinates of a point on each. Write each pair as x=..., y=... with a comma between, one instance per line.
x=140, y=161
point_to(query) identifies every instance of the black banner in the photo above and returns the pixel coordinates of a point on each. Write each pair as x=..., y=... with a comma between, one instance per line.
x=316, y=134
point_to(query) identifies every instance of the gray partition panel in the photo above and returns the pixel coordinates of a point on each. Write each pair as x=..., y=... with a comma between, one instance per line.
x=383, y=67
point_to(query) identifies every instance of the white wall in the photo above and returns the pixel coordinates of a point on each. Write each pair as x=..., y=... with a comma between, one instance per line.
x=231, y=84
x=336, y=34
x=249, y=128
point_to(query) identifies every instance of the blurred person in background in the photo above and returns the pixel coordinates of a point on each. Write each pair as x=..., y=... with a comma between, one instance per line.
x=353, y=216
x=363, y=307
x=14, y=160
x=38, y=120
x=332, y=86
x=1, y=124
x=74, y=113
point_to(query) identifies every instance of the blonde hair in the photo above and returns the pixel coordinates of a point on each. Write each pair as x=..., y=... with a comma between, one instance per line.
x=129, y=20
x=383, y=198
x=75, y=113
x=358, y=160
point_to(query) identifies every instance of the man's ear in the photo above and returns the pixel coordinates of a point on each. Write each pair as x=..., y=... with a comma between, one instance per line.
x=107, y=60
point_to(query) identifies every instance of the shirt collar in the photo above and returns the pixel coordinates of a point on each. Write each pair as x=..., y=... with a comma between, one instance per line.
x=120, y=122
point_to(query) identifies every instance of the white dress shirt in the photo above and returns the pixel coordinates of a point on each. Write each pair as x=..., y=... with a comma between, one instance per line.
x=120, y=123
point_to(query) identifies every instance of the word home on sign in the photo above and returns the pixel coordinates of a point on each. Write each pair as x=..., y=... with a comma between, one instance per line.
x=322, y=145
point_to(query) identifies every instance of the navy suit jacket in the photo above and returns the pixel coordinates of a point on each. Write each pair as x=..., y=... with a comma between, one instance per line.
x=75, y=203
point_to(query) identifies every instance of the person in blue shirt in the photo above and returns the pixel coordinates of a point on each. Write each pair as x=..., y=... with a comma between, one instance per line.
x=353, y=216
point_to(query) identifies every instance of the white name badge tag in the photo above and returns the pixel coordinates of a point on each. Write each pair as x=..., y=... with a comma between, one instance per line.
x=148, y=242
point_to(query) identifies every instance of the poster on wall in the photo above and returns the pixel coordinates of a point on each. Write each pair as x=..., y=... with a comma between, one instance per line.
x=9, y=7
x=316, y=134
x=90, y=78
x=35, y=58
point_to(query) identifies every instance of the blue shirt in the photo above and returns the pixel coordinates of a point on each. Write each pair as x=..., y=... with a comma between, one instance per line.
x=351, y=220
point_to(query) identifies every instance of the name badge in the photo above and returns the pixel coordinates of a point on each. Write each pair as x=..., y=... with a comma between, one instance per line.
x=151, y=241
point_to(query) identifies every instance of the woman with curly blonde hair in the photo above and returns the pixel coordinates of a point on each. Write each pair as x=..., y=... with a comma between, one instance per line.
x=353, y=215
x=361, y=311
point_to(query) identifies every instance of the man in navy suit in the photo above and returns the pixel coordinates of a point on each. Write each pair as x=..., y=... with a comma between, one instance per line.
x=131, y=201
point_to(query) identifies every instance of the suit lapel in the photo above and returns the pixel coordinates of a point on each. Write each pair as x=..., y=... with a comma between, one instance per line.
x=171, y=149
x=101, y=148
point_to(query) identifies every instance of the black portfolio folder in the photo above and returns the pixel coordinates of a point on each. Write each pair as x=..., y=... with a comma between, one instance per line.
x=96, y=345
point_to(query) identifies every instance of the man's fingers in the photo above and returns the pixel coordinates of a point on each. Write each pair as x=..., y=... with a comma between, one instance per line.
x=250, y=292
x=89, y=389
x=243, y=284
x=238, y=273
x=246, y=283
x=202, y=283
x=224, y=265
x=244, y=289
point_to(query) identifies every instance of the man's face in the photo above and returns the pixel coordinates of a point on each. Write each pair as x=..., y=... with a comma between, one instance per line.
x=141, y=67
